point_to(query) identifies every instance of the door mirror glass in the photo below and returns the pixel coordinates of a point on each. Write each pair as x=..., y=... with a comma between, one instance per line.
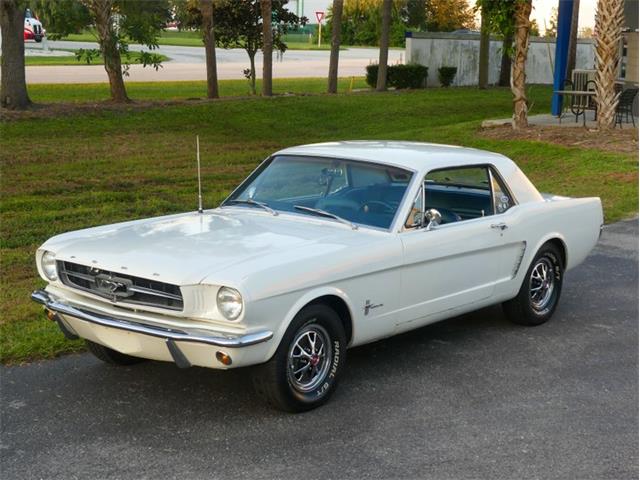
x=432, y=218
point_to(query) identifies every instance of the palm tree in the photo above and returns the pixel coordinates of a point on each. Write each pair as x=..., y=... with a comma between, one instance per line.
x=209, y=39
x=267, y=48
x=609, y=23
x=519, y=76
x=381, y=84
x=336, y=30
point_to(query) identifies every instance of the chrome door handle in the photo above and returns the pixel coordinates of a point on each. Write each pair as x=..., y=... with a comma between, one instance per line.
x=499, y=226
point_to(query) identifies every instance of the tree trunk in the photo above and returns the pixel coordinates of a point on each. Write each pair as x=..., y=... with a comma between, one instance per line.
x=573, y=39
x=108, y=41
x=336, y=30
x=505, y=62
x=519, y=77
x=609, y=22
x=209, y=40
x=267, y=48
x=381, y=84
x=252, y=72
x=13, y=86
x=485, y=44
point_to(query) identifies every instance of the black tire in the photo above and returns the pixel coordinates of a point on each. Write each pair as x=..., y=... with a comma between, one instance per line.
x=535, y=308
x=38, y=39
x=276, y=381
x=110, y=356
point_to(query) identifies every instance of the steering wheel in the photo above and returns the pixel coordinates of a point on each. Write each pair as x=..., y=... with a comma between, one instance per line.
x=377, y=206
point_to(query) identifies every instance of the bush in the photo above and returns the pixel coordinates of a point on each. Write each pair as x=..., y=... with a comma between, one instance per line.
x=400, y=76
x=446, y=75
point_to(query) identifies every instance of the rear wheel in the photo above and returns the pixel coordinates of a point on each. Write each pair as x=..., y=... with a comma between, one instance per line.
x=111, y=356
x=540, y=291
x=304, y=371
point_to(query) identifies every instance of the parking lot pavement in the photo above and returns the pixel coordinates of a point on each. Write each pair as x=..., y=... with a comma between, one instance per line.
x=471, y=397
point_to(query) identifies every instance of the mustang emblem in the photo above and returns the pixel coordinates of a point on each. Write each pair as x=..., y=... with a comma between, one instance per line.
x=113, y=286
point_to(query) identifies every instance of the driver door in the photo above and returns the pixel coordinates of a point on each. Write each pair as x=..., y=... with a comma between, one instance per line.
x=458, y=262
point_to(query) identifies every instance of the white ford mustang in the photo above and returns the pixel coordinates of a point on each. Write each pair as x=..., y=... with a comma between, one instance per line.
x=323, y=247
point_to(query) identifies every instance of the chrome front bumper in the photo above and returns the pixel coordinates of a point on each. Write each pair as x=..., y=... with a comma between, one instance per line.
x=170, y=335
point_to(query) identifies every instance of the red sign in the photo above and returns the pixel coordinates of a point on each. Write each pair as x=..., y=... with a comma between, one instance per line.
x=319, y=16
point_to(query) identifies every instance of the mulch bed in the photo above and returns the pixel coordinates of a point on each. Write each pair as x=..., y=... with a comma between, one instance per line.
x=614, y=141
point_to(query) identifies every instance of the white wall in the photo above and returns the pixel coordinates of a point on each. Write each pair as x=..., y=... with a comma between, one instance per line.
x=462, y=51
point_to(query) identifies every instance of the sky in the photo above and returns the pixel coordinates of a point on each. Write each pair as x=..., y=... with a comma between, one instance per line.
x=541, y=10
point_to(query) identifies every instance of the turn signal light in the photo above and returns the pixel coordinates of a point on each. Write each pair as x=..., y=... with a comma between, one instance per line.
x=223, y=358
x=50, y=315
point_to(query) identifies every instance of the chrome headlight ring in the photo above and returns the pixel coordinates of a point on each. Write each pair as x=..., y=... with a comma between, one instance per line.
x=49, y=267
x=229, y=302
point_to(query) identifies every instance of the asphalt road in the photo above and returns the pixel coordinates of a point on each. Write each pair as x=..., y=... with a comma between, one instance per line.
x=471, y=397
x=187, y=63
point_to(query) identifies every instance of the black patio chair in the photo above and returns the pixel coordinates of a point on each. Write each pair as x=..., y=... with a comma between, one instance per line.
x=591, y=101
x=625, y=106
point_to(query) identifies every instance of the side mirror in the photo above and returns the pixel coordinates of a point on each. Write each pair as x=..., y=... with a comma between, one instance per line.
x=433, y=218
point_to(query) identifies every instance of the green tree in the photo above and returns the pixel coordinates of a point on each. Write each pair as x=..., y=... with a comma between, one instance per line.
x=534, y=28
x=362, y=22
x=512, y=19
x=267, y=48
x=238, y=24
x=416, y=14
x=336, y=28
x=449, y=15
x=13, y=87
x=551, y=29
x=198, y=15
x=116, y=22
x=386, y=8
x=518, y=75
x=499, y=18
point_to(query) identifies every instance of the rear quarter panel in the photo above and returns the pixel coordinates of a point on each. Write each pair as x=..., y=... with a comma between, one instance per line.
x=575, y=222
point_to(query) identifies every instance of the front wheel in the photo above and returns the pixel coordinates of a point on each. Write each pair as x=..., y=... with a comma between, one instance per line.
x=540, y=291
x=304, y=371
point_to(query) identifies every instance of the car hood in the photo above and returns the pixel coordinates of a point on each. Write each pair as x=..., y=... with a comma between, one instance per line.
x=185, y=249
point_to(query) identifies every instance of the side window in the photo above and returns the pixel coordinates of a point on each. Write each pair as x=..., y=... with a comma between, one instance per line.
x=459, y=193
x=502, y=201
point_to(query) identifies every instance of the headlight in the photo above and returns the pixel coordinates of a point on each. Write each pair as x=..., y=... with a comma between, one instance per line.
x=48, y=264
x=229, y=303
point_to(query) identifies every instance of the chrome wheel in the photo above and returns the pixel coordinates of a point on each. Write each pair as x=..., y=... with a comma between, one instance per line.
x=542, y=284
x=309, y=358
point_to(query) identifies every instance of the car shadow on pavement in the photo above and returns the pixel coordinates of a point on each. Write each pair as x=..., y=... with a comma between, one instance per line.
x=197, y=392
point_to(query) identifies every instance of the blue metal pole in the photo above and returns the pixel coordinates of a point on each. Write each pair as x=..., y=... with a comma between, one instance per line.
x=565, y=9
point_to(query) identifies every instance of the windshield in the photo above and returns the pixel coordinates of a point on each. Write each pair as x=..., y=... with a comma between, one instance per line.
x=359, y=192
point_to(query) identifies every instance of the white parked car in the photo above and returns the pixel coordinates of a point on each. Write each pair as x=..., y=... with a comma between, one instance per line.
x=322, y=248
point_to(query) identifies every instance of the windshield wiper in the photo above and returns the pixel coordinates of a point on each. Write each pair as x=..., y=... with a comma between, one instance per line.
x=324, y=213
x=262, y=205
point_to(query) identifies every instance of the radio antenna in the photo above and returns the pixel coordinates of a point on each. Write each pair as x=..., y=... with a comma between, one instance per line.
x=199, y=180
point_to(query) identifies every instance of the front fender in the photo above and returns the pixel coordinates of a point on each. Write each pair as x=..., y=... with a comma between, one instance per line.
x=304, y=299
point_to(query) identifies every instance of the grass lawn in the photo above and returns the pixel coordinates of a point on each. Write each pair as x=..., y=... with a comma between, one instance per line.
x=134, y=57
x=99, y=166
x=95, y=92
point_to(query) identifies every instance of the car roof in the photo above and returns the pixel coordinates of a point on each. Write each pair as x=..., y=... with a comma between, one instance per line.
x=415, y=156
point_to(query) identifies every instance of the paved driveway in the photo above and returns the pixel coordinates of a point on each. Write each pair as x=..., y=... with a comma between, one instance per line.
x=188, y=63
x=472, y=397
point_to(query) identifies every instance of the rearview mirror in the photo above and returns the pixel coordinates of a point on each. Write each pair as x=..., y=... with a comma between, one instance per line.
x=433, y=218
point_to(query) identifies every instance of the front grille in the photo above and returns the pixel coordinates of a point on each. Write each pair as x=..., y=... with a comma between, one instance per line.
x=37, y=29
x=119, y=287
